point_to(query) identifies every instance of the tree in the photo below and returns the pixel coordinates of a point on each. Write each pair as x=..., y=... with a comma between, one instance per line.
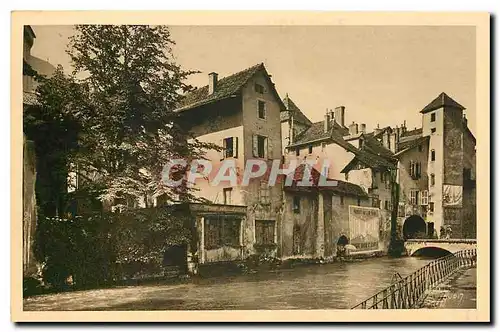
x=53, y=126
x=130, y=129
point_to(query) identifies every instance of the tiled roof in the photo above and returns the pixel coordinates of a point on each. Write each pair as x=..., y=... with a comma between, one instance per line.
x=369, y=160
x=406, y=146
x=298, y=115
x=408, y=138
x=442, y=100
x=317, y=132
x=373, y=146
x=380, y=131
x=341, y=187
x=226, y=87
x=416, y=131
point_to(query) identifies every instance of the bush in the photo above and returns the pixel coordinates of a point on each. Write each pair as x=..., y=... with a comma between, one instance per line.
x=100, y=249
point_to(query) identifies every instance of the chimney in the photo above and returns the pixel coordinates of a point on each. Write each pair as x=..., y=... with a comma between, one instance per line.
x=353, y=128
x=326, y=124
x=363, y=128
x=339, y=115
x=212, y=82
x=377, y=130
x=392, y=141
x=465, y=121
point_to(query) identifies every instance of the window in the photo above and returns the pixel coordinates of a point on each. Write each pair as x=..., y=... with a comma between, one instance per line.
x=386, y=206
x=424, y=199
x=221, y=231
x=259, y=88
x=310, y=149
x=433, y=179
x=227, y=192
x=414, y=197
x=401, y=210
x=433, y=130
x=415, y=169
x=230, y=147
x=264, y=232
x=431, y=207
x=359, y=202
x=341, y=200
x=262, y=109
x=433, y=117
x=260, y=146
x=420, y=148
x=264, y=196
x=297, y=152
x=296, y=204
x=433, y=155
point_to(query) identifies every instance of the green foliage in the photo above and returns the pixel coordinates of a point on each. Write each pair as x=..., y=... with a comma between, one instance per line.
x=130, y=129
x=100, y=249
x=113, y=124
x=53, y=126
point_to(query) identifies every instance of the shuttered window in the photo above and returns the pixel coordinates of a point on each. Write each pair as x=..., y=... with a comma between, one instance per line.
x=415, y=169
x=230, y=147
x=264, y=231
x=222, y=231
x=414, y=197
x=260, y=146
x=424, y=198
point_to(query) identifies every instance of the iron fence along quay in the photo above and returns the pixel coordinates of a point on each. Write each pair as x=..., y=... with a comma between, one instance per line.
x=406, y=292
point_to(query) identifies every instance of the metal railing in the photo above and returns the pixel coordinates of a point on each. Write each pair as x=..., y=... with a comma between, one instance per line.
x=406, y=292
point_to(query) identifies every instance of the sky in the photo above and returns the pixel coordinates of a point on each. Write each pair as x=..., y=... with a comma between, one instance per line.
x=382, y=74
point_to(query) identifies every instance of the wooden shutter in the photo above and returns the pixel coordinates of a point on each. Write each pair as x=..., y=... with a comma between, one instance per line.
x=266, y=147
x=235, y=147
x=223, y=153
x=255, y=147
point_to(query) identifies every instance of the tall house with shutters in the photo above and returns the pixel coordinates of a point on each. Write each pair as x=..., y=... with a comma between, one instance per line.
x=437, y=173
x=241, y=114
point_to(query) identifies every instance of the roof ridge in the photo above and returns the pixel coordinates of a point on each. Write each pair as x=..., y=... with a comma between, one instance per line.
x=441, y=100
x=226, y=86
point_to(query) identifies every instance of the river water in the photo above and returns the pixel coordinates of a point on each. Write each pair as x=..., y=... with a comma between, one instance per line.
x=338, y=285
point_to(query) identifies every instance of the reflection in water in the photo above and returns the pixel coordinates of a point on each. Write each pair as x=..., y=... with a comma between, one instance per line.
x=330, y=286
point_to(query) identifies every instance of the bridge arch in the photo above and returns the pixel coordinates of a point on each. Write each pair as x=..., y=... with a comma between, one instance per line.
x=342, y=240
x=417, y=246
x=413, y=226
x=431, y=251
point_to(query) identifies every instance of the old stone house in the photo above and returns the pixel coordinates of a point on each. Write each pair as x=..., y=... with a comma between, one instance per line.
x=436, y=166
x=241, y=114
x=316, y=218
x=340, y=152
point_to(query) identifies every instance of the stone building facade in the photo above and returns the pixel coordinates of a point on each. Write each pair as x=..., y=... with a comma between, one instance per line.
x=241, y=114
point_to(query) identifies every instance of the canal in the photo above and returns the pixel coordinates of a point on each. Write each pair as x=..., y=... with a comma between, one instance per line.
x=328, y=286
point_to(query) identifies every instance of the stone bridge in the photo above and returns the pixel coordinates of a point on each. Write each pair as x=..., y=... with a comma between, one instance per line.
x=416, y=246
